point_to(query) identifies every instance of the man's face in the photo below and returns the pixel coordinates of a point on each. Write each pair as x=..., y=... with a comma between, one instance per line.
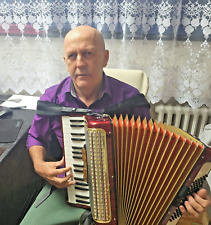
x=85, y=58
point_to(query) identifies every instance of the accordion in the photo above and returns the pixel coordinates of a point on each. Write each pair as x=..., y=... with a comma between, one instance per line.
x=131, y=171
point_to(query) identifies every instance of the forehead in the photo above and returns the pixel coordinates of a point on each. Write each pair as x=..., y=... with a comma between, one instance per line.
x=81, y=43
x=82, y=40
x=80, y=48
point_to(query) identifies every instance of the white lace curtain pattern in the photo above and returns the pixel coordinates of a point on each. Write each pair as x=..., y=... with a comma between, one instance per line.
x=167, y=39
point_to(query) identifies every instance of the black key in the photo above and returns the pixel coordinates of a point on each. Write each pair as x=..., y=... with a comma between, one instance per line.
x=76, y=125
x=76, y=147
x=81, y=201
x=77, y=121
x=81, y=184
x=77, y=139
x=78, y=178
x=81, y=196
x=77, y=134
x=81, y=188
x=77, y=157
x=76, y=165
x=77, y=153
x=77, y=170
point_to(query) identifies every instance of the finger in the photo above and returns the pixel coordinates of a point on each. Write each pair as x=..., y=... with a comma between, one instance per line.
x=61, y=162
x=71, y=175
x=203, y=201
x=190, y=210
x=66, y=181
x=63, y=170
x=62, y=185
x=203, y=194
x=183, y=210
x=70, y=183
x=193, y=206
x=61, y=182
x=56, y=164
x=68, y=178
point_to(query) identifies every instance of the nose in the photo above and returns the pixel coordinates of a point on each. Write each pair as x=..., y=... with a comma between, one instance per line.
x=80, y=62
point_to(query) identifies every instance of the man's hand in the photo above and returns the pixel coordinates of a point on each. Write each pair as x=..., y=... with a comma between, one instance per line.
x=197, y=204
x=51, y=171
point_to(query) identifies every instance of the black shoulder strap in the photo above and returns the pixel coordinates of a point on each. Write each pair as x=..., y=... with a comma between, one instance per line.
x=138, y=100
x=53, y=109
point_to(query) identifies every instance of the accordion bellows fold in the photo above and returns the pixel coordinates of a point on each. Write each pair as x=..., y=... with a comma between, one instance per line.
x=157, y=160
x=138, y=170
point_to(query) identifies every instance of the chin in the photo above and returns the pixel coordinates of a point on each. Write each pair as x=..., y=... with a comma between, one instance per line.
x=84, y=84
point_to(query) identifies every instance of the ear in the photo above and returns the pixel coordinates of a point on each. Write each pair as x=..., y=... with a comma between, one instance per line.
x=65, y=63
x=106, y=58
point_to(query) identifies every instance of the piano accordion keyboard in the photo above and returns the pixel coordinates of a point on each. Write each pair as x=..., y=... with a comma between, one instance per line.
x=74, y=141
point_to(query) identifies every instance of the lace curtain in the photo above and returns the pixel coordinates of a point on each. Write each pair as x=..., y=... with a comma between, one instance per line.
x=168, y=39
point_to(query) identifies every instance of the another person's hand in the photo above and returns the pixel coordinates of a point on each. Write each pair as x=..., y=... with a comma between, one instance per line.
x=197, y=204
x=52, y=172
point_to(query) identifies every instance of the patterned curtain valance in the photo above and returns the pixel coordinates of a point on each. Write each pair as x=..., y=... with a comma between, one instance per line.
x=114, y=18
x=167, y=39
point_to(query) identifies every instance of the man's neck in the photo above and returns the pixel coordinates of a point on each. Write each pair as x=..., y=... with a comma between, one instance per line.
x=88, y=97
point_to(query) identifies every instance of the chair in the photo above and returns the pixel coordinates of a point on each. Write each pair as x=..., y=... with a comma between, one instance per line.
x=135, y=78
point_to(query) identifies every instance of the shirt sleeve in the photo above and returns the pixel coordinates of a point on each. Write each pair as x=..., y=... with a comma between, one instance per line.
x=40, y=131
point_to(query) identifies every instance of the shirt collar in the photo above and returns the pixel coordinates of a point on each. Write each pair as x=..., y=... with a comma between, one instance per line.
x=72, y=89
x=69, y=87
x=106, y=85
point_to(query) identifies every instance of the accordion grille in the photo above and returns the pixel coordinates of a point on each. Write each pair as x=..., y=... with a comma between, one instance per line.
x=98, y=172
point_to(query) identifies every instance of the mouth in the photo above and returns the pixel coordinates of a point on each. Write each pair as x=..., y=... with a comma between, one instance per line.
x=83, y=75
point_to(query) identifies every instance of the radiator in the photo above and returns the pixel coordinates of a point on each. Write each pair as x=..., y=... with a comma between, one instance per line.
x=190, y=120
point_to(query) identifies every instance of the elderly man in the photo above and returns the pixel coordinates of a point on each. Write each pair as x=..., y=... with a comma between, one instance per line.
x=87, y=87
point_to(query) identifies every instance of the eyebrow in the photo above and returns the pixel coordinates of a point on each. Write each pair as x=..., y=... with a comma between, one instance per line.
x=91, y=48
